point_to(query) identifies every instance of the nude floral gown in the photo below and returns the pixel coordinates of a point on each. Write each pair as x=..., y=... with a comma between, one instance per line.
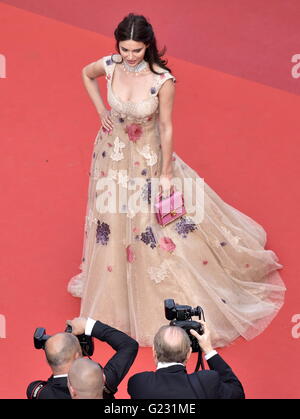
x=130, y=264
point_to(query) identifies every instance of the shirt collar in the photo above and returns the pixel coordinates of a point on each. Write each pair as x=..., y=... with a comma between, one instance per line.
x=60, y=376
x=167, y=364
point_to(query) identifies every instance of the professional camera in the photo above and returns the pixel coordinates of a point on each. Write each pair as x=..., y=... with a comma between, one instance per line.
x=181, y=316
x=86, y=342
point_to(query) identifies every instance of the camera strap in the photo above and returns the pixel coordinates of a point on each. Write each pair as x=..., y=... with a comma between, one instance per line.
x=195, y=382
x=199, y=361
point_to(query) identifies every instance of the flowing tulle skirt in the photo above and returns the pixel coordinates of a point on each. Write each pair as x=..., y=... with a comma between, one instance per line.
x=131, y=264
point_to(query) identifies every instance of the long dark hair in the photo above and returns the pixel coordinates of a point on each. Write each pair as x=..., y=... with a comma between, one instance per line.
x=142, y=32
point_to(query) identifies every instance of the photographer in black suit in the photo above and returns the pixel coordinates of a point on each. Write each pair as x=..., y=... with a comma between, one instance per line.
x=63, y=349
x=171, y=350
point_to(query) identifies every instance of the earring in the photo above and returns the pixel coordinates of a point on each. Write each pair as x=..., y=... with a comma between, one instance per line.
x=118, y=61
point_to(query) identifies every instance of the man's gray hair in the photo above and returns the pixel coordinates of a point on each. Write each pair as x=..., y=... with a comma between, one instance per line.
x=171, y=344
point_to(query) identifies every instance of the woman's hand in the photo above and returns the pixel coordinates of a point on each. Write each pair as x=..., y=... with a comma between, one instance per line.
x=165, y=184
x=106, y=119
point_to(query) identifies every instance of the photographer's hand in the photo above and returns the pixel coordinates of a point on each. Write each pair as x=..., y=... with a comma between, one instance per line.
x=204, y=340
x=78, y=325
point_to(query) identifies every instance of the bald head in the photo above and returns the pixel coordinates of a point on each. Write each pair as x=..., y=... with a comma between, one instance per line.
x=86, y=379
x=172, y=344
x=61, y=349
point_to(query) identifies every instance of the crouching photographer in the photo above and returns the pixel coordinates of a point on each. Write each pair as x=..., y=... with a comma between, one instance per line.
x=62, y=349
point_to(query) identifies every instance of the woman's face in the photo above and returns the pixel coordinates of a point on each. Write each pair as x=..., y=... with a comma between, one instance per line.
x=132, y=52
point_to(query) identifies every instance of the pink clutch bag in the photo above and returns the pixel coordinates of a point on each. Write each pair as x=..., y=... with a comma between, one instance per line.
x=170, y=208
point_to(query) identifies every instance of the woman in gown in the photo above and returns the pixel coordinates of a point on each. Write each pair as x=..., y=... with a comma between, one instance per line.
x=131, y=264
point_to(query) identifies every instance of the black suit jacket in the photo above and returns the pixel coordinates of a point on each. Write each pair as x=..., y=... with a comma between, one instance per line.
x=172, y=383
x=115, y=370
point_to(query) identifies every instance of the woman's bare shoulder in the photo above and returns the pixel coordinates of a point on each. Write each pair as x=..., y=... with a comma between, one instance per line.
x=158, y=68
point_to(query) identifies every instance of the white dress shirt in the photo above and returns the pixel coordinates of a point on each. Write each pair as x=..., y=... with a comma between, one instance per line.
x=89, y=326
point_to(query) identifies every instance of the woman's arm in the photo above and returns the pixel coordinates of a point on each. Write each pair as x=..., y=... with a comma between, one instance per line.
x=166, y=100
x=89, y=74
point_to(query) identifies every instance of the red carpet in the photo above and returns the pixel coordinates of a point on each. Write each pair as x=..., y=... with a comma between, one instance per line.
x=236, y=122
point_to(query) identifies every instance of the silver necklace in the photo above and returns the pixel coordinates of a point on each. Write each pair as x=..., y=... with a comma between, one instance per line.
x=137, y=69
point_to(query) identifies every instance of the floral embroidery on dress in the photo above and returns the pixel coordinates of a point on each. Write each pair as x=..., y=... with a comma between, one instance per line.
x=167, y=244
x=130, y=213
x=112, y=174
x=158, y=273
x=150, y=156
x=96, y=173
x=136, y=120
x=90, y=218
x=148, y=237
x=233, y=240
x=119, y=175
x=117, y=154
x=160, y=79
x=146, y=191
x=102, y=233
x=76, y=285
x=134, y=131
x=185, y=226
x=130, y=254
x=106, y=131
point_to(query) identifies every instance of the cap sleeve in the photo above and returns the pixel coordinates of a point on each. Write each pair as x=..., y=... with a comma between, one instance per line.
x=160, y=80
x=108, y=65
